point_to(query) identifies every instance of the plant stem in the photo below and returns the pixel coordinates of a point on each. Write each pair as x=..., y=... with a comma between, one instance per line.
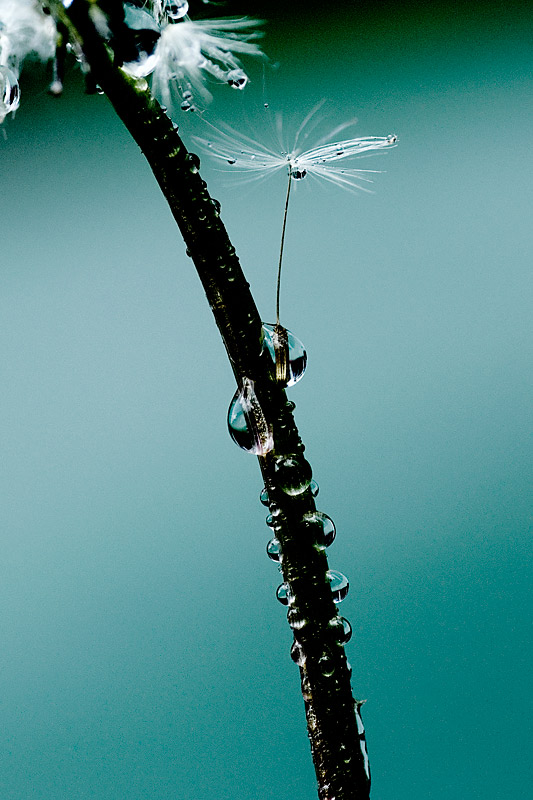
x=278, y=288
x=330, y=708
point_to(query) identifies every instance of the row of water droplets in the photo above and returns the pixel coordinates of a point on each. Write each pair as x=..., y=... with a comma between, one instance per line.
x=250, y=430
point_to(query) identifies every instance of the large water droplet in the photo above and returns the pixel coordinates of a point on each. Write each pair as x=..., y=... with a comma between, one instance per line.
x=321, y=527
x=342, y=629
x=287, y=353
x=339, y=585
x=9, y=92
x=274, y=550
x=263, y=497
x=145, y=35
x=247, y=424
x=282, y=593
x=294, y=474
x=176, y=9
x=237, y=78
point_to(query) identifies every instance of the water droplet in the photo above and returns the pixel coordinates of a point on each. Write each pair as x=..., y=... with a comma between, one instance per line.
x=326, y=664
x=340, y=152
x=339, y=585
x=187, y=95
x=176, y=9
x=247, y=424
x=270, y=521
x=296, y=619
x=141, y=84
x=296, y=356
x=391, y=138
x=298, y=173
x=342, y=629
x=9, y=92
x=193, y=161
x=237, y=78
x=290, y=405
x=145, y=36
x=274, y=550
x=232, y=160
x=263, y=497
x=294, y=474
x=185, y=105
x=266, y=105
x=282, y=593
x=297, y=654
x=322, y=528
x=216, y=206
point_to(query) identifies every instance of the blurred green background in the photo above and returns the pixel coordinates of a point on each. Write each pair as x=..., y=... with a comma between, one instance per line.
x=143, y=654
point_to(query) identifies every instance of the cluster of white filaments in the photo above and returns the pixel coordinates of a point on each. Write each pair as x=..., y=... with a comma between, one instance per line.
x=328, y=160
x=182, y=55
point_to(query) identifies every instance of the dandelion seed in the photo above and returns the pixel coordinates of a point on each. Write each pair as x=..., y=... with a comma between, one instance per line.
x=322, y=162
x=188, y=53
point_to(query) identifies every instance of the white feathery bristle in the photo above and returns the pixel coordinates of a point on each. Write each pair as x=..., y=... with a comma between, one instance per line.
x=24, y=29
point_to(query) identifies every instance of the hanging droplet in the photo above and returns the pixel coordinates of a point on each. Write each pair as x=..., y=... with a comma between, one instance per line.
x=362, y=737
x=247, y=424
x=339, y=585
x=342, y=629
x=9, y=92
x=282, y=593
x=298, y=173
x=326, y=664
x=289, y=357
x=322, y=528
x=263, y=497
x=145, y=35
x=237, y=78
x=274, y=550
x=314, y=488
x=294, y=474
x=176, y=9
x=270, y=521
x=297, y=654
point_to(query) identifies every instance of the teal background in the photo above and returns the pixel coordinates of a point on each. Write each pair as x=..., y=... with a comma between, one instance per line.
x=143, y=654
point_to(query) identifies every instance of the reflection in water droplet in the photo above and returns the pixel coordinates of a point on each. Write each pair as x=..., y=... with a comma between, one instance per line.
x=321, y=528
x=326, y=664
x=270, y=521
x=296, y=362
x=247, y=424
x=314, y=488
x=294, y=474
x=176, y=9
x=339, y=585
x=298, y=173
x=9, y=92
x=282, y=593
x=237, y=78
x=263, y=497
x=274, y=550
x=145, y=33
x=342, y=628
x=297, y=654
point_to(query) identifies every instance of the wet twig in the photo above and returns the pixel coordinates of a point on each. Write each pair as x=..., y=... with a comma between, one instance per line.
x=334, y=723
